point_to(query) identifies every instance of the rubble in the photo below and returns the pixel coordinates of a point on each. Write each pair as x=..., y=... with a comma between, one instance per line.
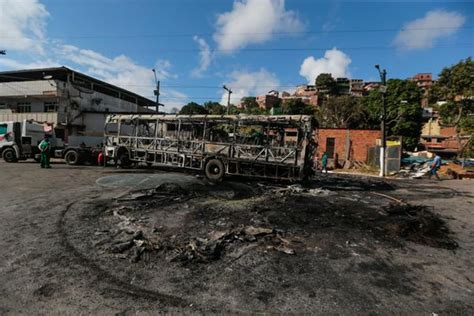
x=204, y=250
x=293, y=211
x=298, y=188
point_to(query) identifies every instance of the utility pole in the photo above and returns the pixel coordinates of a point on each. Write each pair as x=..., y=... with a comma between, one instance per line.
x=157, y=91
x=228, y=98
x=383, y=147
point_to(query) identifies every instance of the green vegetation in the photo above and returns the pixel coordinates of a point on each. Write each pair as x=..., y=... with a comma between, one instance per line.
x=296, y=106
x=456, y=86
x=193, y=108
x=404, y=112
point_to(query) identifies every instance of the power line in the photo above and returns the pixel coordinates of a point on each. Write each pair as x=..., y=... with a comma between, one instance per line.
x=183, y=86
x=301, y=49
x=350, y=31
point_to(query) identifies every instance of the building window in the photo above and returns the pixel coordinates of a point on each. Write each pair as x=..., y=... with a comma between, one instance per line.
x=3, y=106
x=23, y=107
x=50, y=106
x=330, y=145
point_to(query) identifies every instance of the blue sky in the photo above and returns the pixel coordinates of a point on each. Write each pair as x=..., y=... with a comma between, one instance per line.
x=252, y=46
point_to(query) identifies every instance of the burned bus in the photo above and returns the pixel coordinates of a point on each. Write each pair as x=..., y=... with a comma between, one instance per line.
x=274, y=147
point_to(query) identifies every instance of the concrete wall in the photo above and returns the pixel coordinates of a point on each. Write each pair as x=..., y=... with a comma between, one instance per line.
x=352, y=144
x=28, y=88
x=19, y=117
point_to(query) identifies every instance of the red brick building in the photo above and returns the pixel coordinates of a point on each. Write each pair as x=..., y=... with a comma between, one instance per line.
x=424, y=81
x=346, y=144
x=268, y=101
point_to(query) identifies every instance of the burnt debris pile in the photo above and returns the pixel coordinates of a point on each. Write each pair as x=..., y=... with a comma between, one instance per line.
x=204, y=224
x=418, y=224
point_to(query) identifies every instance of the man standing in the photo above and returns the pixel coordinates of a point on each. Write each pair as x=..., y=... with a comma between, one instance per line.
x=45, y=148
x=435, y=167
x=324, y=163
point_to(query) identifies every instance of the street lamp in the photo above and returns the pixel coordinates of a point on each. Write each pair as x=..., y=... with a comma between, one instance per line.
x=383, y=90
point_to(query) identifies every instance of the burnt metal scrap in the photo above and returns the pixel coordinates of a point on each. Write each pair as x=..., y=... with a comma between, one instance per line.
x=278, y=147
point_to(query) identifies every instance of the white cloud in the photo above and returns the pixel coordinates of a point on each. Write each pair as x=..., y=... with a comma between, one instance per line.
x=254, y=21
x=173, y=99
x=9, y=63
x=423, y=32
x=22, y=29
x=121, y=70
x=22, y=25
x=124, y=72
x=334, y=62
x=243, y=83
x=205, y=57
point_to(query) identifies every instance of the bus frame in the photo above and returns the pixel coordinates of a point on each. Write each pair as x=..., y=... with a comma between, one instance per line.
x=264, y=146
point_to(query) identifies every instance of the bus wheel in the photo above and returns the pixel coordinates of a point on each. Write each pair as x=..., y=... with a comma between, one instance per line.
x=124, y=161
x=214, y=170
x=72, y=158
x=9, y=155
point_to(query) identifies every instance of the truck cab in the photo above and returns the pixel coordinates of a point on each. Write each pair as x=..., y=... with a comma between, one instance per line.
x=20, y=140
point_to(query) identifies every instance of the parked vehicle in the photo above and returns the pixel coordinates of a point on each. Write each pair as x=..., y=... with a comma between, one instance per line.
x=79, y=155
x=20, y=140
x=276, y=147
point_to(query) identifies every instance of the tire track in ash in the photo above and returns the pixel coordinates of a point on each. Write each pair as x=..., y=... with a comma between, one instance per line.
x=105, y=276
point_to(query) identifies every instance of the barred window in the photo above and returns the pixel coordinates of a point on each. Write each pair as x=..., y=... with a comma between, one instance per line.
x=24, y=107
x=50, y=106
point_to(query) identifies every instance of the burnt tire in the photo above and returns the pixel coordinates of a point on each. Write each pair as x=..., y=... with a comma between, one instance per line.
x=124, y=160
x=9, y=155
x=214, y=170
x=72, y=158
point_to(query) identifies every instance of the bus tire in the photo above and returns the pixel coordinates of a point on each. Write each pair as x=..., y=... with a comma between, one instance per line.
x=9, y=155
x=214, y=170
x=124, y=160
x=72, y=158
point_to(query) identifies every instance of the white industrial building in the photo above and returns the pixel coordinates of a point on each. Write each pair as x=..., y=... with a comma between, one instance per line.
x=75, y=103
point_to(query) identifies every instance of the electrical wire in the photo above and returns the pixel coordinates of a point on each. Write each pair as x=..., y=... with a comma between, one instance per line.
x=351, y=31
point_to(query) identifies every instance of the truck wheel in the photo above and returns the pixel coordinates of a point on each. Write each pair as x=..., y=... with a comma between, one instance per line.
x=72, y=158
x=214, y=170
x=9, y=155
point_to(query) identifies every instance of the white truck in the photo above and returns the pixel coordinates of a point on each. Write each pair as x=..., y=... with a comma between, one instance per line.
x=20, y=140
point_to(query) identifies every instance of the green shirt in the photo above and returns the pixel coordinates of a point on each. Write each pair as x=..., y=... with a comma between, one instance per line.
x=44, y=145
x=324, y=159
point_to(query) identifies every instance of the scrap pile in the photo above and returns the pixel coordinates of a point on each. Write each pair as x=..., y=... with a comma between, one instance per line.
x=204, y=250
x=207, y=224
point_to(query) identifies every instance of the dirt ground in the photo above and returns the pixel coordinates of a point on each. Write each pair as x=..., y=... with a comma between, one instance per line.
x=92, y=240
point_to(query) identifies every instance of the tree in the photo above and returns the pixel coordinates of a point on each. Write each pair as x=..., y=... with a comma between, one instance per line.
x=249, y=102
x=456, y=86
x=340, y=112
x=193, y=108
x=296, y=106
x=214, y=108
x=404, y=112
x=251, y=106
x=455, y=81
x=174, y=110
x=325, y=82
